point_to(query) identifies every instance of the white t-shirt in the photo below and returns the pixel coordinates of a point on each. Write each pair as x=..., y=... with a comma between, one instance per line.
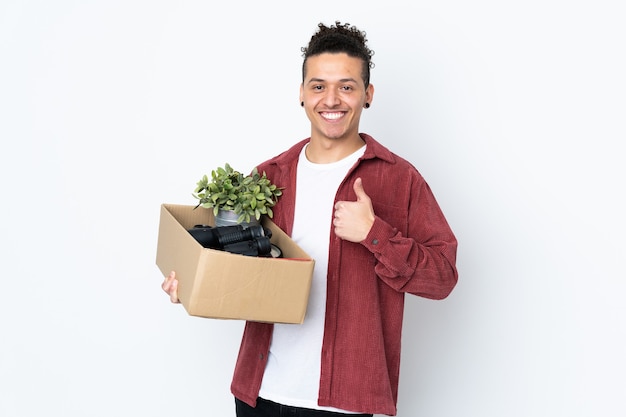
x=292, y=374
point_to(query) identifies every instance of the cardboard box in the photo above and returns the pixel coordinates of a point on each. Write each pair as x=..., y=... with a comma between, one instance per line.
x=223, y=285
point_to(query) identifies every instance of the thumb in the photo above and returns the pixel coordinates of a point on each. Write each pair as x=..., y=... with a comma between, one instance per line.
x=359, y=191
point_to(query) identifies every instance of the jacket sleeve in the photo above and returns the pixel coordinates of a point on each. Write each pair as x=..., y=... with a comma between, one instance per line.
x=422, y=260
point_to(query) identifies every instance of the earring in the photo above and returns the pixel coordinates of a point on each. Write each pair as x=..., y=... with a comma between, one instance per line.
x=367, y=105
x=302, y=103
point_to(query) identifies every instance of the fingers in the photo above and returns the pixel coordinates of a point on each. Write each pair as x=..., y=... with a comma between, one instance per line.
x=167, y=282
x=170, y=286
x=174, y=292
x=354, y=219
x=358, y=189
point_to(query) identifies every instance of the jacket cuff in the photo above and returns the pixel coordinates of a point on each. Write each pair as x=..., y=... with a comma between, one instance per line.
x=378, y=237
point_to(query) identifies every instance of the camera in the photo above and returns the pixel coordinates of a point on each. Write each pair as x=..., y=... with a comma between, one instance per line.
x=253, y=240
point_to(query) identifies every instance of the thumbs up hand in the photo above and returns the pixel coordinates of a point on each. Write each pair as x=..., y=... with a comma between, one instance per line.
x=354, y=219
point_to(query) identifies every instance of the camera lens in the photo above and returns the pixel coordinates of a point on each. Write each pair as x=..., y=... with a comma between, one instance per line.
x=231, y=234
x=253, y=240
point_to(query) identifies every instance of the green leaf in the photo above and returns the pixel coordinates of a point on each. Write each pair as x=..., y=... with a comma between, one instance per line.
x=249, y=195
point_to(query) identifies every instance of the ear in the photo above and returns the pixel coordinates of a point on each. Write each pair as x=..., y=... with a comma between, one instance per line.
x=301, y=93
x=369, y=93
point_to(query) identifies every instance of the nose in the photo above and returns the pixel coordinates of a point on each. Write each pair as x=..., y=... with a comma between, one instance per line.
x=331, y=99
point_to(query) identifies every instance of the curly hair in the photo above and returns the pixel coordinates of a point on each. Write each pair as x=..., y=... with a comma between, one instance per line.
x=340, y=38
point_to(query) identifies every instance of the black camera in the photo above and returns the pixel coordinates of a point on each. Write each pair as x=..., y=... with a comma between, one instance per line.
x=253, y=240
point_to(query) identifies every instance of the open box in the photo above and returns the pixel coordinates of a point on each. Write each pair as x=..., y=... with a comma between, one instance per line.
x=218, y=284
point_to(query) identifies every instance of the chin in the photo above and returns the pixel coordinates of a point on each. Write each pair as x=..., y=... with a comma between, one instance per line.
x=335, y=135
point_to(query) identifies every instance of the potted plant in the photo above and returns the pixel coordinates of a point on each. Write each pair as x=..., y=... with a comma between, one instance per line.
x=229, y=192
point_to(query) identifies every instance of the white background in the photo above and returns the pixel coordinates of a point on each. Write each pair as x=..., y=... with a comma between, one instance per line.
x=514, y=112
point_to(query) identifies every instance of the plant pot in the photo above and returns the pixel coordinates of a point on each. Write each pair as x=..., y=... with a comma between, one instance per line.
x=229, y=218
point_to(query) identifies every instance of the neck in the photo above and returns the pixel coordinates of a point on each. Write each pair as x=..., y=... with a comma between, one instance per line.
x=326, y=151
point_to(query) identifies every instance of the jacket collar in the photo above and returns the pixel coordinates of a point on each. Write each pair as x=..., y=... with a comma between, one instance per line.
x=373, y=150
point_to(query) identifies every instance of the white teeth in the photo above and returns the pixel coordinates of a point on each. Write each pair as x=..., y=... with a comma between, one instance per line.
x=332, y=116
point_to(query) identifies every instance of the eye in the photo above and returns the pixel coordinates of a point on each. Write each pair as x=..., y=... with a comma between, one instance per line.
x=347, y=88
x=318, y=87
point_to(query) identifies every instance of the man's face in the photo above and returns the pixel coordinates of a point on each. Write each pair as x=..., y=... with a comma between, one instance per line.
x=334, y=94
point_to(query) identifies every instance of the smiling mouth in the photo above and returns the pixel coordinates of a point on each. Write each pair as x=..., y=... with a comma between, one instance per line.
x=332, y=115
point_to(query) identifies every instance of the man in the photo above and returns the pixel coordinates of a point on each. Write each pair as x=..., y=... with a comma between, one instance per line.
x=376, y=232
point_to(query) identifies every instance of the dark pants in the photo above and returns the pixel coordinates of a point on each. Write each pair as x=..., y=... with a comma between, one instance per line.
x=265, y=408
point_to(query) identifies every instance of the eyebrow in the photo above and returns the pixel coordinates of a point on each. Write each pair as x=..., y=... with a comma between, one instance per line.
x=343, y=80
